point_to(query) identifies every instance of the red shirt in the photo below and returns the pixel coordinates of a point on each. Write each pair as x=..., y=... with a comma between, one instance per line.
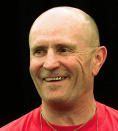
x=107, y=121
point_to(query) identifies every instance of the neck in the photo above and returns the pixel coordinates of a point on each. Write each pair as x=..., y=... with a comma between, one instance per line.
x=84, y=109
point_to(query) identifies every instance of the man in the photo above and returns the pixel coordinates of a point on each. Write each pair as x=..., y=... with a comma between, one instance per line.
x=65, y=56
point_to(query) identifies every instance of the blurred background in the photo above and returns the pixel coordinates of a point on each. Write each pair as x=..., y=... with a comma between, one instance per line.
x=18, y=95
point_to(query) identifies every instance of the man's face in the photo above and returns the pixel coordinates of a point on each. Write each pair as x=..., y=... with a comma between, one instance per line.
x=60, y=62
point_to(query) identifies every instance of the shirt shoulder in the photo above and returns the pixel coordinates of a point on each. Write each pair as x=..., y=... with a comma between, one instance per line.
x=111, y=113
x=108, y=118
x=25, y=122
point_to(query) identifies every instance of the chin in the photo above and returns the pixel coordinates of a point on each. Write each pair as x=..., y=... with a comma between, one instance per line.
x=58, y=102
x=51, y=99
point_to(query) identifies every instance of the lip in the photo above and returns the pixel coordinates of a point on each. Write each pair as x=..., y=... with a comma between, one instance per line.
x=63, y=78
x=51, y=76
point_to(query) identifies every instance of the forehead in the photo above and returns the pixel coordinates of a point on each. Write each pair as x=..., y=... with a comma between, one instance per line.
x=56, y=42
x=42, y=40
x=63, y=28
x=57, y=38
x=55, y=35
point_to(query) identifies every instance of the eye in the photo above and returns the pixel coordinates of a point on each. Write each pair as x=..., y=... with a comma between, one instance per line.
x=63, y=50
x=40, y=52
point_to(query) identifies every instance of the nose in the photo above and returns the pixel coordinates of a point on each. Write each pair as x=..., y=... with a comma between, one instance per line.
x=51, y=62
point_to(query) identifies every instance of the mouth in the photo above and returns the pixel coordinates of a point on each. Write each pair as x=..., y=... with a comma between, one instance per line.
x=53, y=79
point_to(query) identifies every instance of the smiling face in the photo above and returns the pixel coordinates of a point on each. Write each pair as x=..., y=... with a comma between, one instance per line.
x=61, y=59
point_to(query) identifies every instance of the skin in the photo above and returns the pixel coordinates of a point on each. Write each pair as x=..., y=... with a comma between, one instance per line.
x=64, y=42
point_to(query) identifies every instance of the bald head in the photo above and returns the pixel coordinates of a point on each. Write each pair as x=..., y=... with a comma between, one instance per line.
x=64, y=43
x=64, y=20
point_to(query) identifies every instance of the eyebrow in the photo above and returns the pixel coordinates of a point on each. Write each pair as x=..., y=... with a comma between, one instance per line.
x=66, y=45
x=55, y=45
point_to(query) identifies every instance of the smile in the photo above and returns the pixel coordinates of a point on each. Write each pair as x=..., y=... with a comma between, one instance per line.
x=59, y=78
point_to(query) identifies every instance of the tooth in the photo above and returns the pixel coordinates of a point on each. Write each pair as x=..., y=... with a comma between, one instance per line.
x=60, y=78
x=56, y=78
x=48, y=79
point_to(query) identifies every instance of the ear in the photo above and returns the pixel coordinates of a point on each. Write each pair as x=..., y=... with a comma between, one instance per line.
x=99, y=59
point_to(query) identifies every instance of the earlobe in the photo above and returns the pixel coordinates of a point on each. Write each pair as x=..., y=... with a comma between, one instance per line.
x=99, y=59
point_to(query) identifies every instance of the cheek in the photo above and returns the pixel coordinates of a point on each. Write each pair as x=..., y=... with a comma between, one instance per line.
x=73, y=64
x=83, y=62
x=79, y=67
x=35, y=65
